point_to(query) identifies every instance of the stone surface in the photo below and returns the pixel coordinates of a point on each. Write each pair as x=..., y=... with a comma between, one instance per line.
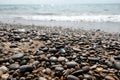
x=17, y=56
x=26, y=68
x=71, y=77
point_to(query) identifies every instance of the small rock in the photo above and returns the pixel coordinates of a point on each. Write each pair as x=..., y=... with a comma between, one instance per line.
x=76, y=49
x=42, y=78
x=5, y=76
x=53, y=50
x=117, y=65
x=59, y=68
x=26, y=68
x=85, y=68
x=109, y=78
x=53, y=59
x=96, y=59
x=17, y=38
x=62, y=51
x=61, y=59
x=71, y=64
x=39, y=52
x=14, y=66
x=13, y=46
x=4, y=69
x=45, y=49
x=87, y=76
x=17, y=56
x=77, y=73
x=71, y=77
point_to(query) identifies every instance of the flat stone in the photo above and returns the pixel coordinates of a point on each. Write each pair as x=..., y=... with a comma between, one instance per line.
x=117, y=65
x=13, y=46
x=39, y=52
x=59, y=68
x=109, y=78
x=5, y=76
x=77, y=73
x=26, y=68
x=60, y=59
x=96, y=59
x=87, y=76
x=14, y=66
x=71, y=77
x=76, y=49
x=17, y=56
x=71, y=64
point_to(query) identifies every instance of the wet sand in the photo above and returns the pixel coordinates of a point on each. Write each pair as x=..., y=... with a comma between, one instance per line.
x=29, y=52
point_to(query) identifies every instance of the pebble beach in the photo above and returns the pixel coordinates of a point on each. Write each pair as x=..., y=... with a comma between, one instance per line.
x=29, y=52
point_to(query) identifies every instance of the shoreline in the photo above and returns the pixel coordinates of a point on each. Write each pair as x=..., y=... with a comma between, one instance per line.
x=30, y=52
x=112, y=27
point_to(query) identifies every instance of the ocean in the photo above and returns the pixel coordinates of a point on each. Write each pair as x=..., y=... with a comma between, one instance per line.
x=57, y=14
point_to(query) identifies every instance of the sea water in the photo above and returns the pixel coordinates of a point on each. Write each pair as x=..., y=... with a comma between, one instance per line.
x=52, y=13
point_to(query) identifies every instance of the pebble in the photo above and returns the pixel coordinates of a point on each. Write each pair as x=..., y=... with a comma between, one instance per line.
x=96, y=59
x=109, y=78
x=59, y=68
x=53, y=59
x=71, y=64
x=61, y=59
x=117, y=65
x=14, y=66
x=4, y=69
x=26, y=68
x=17, y=56
x=42, y=78
x=71, y=77
x=13, y=46
x=76, y=49
x=62, y=51
x=17, y=38
x=5, y=76
x=39, y=52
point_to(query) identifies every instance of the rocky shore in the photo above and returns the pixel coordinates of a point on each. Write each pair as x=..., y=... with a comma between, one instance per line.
x=29, y=52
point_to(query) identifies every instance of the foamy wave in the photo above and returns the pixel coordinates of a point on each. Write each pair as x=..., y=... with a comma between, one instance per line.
x=83, y=18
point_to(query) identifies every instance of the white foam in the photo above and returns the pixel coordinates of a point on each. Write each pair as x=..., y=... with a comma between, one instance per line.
x=83, y=18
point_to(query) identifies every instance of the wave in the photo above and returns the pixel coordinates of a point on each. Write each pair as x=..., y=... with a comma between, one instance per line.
x=82, y=18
